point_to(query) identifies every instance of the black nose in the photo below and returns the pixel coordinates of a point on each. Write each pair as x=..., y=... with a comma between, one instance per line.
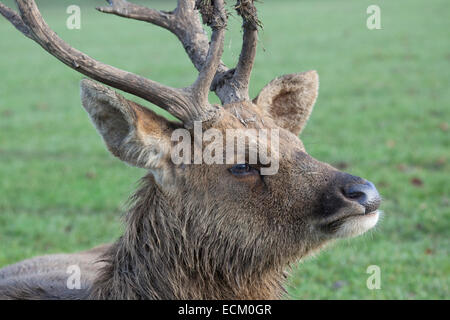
x=365, y=194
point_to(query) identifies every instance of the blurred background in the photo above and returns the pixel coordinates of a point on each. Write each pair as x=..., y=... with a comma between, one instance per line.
x=383, y=113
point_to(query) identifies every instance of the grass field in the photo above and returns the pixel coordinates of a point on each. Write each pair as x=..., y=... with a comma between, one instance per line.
x=383, y=113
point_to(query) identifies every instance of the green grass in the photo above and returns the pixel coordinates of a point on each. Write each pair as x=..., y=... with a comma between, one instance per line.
x=383, y=113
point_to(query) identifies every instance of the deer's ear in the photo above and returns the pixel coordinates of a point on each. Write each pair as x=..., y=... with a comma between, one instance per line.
x=289, y=99
x=131, y=132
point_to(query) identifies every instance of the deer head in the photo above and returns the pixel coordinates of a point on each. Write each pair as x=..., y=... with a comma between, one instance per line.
x=226, y=220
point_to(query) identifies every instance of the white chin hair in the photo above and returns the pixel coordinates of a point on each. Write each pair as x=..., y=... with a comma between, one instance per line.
x=357, y=225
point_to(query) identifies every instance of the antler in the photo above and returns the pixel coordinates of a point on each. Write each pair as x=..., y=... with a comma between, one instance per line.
x=230, y=85
x=188, y=104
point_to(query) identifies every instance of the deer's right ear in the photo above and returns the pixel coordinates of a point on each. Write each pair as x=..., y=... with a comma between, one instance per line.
x=290, y=99
x=131, y=132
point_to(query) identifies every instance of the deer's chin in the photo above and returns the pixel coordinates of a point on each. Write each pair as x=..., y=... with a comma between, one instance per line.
x=355, y=225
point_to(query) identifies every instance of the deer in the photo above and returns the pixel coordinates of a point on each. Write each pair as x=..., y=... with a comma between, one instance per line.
x=198, y=231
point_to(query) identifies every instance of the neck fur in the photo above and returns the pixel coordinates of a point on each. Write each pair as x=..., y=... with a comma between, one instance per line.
x=162, y=256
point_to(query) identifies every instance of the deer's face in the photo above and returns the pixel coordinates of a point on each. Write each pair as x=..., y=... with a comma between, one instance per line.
x=298, y=206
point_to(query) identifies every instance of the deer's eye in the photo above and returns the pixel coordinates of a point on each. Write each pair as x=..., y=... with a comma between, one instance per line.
x=242, y=170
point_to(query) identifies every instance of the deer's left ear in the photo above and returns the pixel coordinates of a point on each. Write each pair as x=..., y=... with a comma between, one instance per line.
x=289, y=99
x=131, y=132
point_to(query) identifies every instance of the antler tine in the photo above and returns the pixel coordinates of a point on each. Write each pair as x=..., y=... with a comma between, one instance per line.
x=247, y=10
x=189, y=30
x=15, y=20
x=130, y=10
x=214, y=15
x=183, y=22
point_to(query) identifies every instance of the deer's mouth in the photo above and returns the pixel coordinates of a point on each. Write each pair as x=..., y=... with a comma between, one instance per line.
x=351, y=225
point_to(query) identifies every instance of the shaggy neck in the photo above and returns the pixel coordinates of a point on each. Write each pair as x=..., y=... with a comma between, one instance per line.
x=158, y=257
